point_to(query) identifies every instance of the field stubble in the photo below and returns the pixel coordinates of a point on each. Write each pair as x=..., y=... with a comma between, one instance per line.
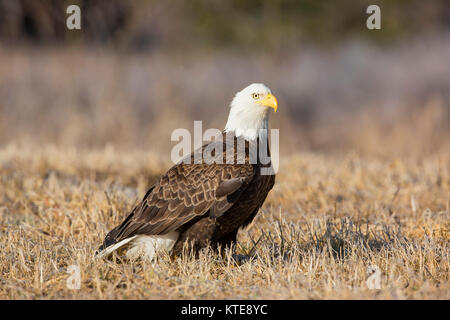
x=327, y=220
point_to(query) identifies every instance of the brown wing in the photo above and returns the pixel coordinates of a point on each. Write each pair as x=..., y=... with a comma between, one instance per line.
x=185, y=192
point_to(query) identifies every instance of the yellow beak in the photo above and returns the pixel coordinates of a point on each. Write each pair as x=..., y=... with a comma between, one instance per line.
x=269, y=101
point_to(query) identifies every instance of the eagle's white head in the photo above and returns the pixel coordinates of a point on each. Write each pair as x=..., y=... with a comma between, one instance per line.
x=249, y=112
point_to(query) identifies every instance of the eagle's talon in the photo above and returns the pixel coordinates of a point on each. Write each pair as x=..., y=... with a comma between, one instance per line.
x=241, y=258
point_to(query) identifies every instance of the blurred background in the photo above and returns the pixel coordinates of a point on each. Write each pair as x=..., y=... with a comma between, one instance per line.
x=137, y=70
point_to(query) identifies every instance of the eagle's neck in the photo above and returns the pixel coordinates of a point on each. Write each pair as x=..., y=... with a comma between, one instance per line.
x=244, y=150
x=249, y=128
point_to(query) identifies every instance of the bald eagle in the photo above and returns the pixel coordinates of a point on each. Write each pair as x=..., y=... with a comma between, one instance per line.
x=205, y=203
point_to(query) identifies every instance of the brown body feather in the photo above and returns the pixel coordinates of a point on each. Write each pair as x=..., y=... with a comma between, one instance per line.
x=205, y=203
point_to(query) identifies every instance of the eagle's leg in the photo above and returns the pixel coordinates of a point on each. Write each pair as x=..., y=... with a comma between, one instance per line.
x=195, y=237
x=225, y=243
x=227, y=240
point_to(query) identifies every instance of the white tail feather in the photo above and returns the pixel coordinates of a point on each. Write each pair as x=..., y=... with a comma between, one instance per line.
x=149, y=246
x=106, y=252
x=145, y=246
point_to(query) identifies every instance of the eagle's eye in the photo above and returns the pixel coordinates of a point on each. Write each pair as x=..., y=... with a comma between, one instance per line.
x=255, y=96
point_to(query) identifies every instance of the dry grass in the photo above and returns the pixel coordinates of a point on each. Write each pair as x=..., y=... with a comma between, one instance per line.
x=326, y=221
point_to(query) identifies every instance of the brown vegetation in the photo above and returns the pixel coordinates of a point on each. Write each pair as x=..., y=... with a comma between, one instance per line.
x=326, y=221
